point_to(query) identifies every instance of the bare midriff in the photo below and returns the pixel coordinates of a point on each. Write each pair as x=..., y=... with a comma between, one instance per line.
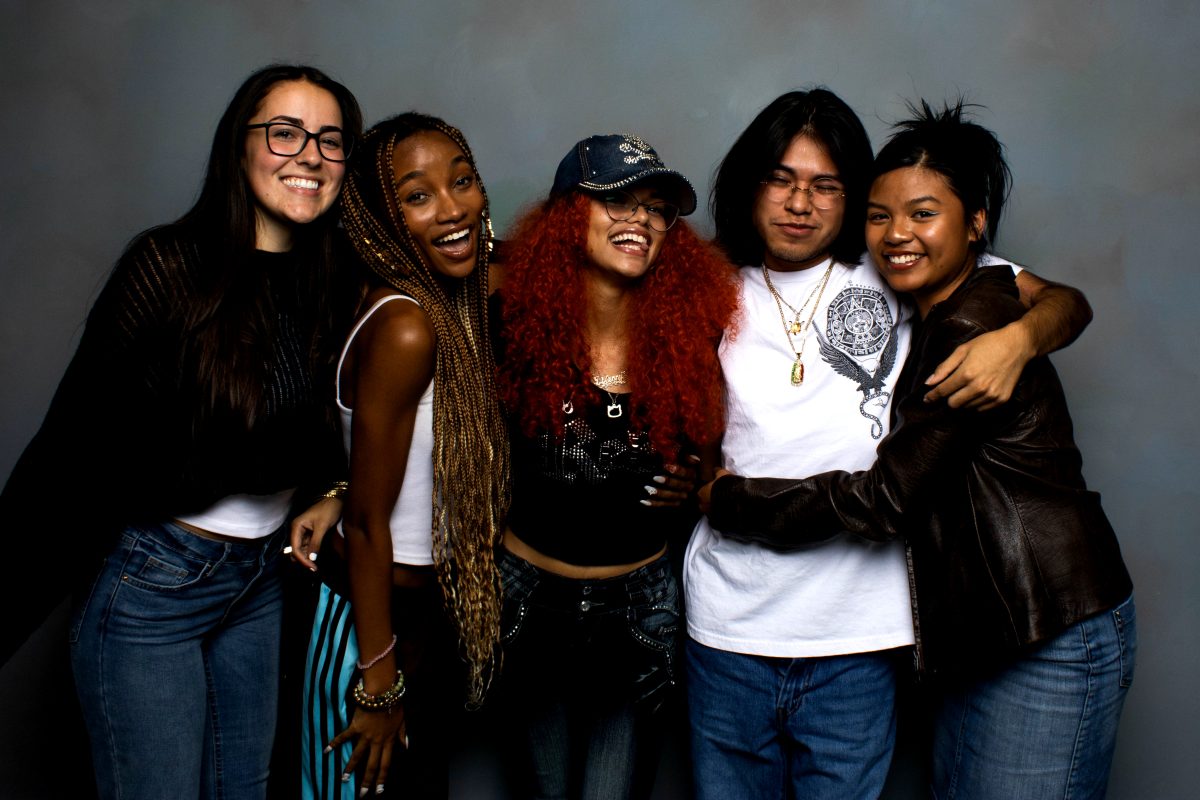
x=577, y=571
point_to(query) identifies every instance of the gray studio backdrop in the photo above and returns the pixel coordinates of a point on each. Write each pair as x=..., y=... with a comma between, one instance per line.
x=108, y=109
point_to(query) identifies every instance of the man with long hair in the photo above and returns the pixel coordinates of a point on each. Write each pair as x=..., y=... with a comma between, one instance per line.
x=792, y=656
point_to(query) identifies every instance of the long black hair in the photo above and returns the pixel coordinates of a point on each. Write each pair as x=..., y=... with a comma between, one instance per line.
x=966, y=154
x=819, y=114
x=229, y=325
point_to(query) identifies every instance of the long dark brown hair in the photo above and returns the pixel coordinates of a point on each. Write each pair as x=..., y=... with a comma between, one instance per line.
x=230, y=325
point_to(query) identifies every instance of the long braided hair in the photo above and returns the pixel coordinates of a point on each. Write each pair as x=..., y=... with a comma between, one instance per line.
x=470, y=445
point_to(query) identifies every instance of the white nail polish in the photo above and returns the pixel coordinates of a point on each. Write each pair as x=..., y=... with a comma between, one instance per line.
x=312, y=556
x=645, y=502
x=660, y=479
x=287, y=551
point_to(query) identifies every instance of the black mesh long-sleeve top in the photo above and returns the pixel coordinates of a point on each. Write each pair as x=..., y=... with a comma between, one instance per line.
x=122, y=441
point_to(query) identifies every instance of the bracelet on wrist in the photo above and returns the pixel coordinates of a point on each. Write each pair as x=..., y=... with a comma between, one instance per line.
x=337, y=491
x=380, y=702
x=367, y=665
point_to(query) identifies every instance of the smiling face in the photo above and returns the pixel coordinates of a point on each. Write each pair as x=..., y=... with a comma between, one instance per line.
x=624, y=251
x=291, y=190
x=919, y=234
x=795, y=234
x=441, y=200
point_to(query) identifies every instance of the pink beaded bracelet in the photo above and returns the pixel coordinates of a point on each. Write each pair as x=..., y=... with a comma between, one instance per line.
x=379, y=657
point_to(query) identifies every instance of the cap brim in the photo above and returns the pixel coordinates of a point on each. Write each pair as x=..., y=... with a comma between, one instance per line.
x=685, y=197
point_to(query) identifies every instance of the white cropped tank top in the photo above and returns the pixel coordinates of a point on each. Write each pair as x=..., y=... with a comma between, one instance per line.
x=412, y=516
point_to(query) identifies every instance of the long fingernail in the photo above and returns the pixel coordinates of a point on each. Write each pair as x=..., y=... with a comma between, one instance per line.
x=312, y=556
x=645, y=502
x=650, y=490
x=363, y=791
x=379, y=789
x=328, y=749
x=346, y=777
x=695, y=459
x=287, y=551
x=406, y=741
x=659, y=479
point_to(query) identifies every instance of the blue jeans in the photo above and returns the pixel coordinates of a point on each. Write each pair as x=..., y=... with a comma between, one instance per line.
x=587, y=664
x=801, y=728
x=175, y=650
x=1046, y=726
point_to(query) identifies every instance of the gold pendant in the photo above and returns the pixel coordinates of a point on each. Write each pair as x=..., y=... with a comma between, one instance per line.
x=796, y=327
x=797, y=372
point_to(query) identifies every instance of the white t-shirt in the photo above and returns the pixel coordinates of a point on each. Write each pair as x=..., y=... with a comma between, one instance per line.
x=846, y=595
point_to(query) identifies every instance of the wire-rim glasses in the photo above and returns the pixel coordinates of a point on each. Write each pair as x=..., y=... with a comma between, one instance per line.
x=822, y=194
x=287, y=139
x=622, y=207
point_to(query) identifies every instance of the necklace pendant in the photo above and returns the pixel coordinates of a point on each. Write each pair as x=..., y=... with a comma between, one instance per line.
x=614, y=410
x=568, y=407
x=797, y=372
x=796, y=327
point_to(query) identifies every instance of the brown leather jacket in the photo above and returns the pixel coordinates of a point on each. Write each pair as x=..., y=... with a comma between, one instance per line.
x=1006, y=545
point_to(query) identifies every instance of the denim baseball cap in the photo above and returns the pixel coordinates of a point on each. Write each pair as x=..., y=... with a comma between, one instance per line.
x=618, y=161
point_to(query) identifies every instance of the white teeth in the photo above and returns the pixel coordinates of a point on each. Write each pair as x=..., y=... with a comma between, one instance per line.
x=301, y=183
x=904, y=259
x=453, y=237
x=631, y=237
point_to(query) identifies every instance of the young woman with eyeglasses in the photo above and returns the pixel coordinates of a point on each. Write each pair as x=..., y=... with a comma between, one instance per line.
x=1022, y=605
x=190, y=420
x=611, y=313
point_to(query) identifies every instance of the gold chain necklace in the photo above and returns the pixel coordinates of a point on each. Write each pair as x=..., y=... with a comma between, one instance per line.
x=796, y=326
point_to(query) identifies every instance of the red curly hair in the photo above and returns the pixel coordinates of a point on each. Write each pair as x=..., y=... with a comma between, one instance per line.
x=680, y=309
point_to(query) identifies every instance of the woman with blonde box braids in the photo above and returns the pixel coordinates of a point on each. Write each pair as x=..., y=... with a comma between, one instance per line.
x=413, y=567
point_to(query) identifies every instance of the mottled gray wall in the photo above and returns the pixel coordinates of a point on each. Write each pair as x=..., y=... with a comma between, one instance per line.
x=108, y=109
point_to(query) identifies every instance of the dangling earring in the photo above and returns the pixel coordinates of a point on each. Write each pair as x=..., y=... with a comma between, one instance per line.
x=491, y=235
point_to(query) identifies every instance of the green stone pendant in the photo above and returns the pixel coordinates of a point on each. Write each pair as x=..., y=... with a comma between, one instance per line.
x=797, y=372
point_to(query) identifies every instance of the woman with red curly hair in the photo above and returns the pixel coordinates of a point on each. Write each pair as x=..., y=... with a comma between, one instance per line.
x=611, y=314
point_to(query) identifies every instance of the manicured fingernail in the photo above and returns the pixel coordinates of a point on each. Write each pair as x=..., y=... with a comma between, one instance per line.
x=379, y=789
x=645, y=502
x=406, y=741
x=312, y=556
x=287, y=551
x=362, y=792
x=650, y=490
x=659, y=479
x=695, y=459
x=346, y=778
x=328, y=749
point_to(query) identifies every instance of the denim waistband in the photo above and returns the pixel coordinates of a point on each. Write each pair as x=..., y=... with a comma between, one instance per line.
x=642, y=585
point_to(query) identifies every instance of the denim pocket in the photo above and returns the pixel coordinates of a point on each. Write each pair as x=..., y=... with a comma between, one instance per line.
x=1125, y=620
x=158, y=563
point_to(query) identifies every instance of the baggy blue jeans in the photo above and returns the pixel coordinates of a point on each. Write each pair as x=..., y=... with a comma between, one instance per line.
x=175, y=650
x=804, y=728
x=1045, y=727
x=587, y=664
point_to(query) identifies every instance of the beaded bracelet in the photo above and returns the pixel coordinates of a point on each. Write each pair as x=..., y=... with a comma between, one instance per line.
x=337, y=491
x=379, y=657
x=380, y=702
